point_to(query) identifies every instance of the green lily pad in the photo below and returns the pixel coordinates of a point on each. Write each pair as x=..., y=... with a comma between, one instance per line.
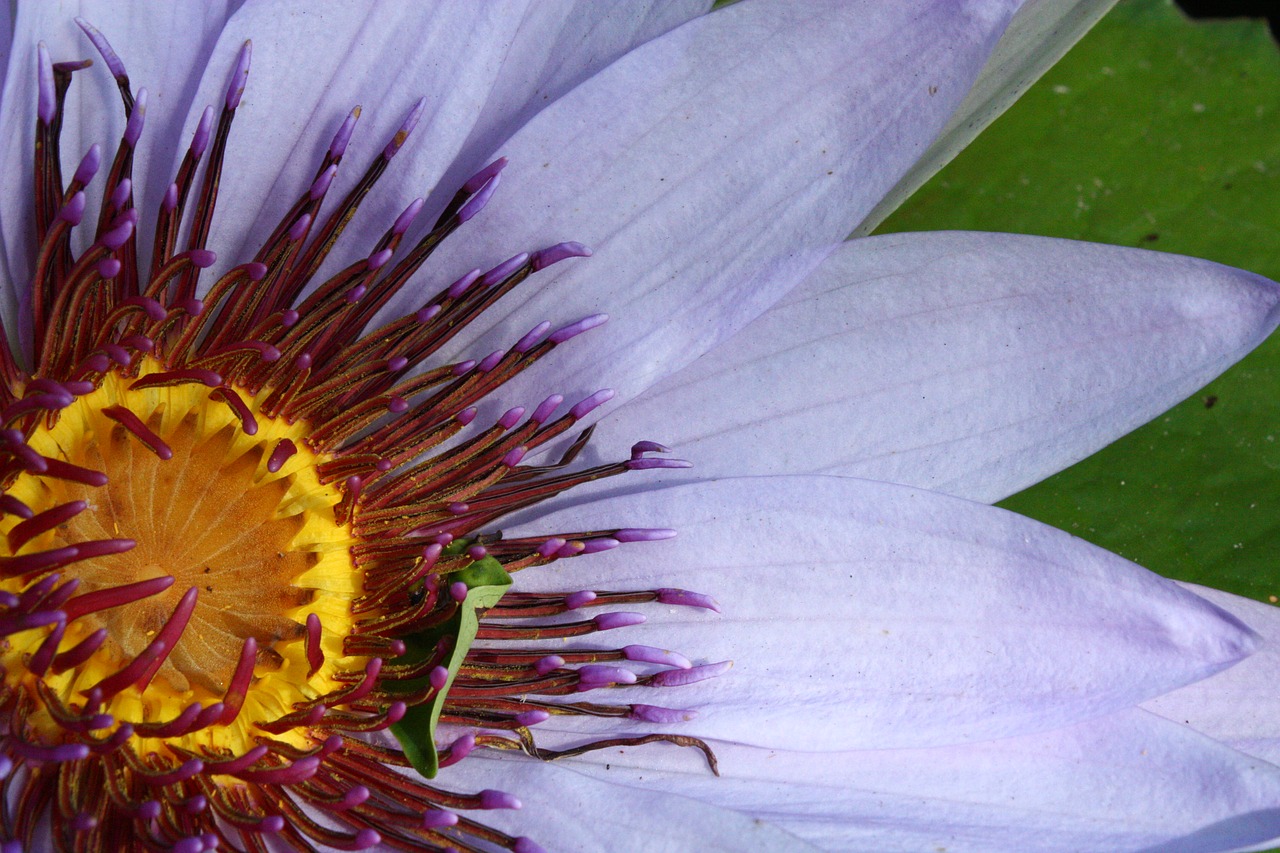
x=1157, y=132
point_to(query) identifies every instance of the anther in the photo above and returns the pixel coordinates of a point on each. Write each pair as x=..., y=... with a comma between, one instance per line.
x=239, y=76
x=504, y=269
x=406, y=128
x=544, y=258
x=681, y=677
x=477, y=202
x=617, y=619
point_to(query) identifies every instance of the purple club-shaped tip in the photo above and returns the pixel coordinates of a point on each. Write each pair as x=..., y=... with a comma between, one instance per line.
x=406, y=128
x=491, y=799
x=109, y=56
x=585, y=407
x=617, y=619
x=559, y=252
x=476, y=203
x=137, y=118
x=658, y=714
x=200, y=139
x=342, y=138
x=89, y=164
x=504, y=269
x=681, y=677
x=685, y=598
x=405, y=219
x=480, y=178
x=47, y=103
x=239, y=76
x=561, y=335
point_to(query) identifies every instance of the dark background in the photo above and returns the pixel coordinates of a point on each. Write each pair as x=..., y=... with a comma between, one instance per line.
x=1236, y=9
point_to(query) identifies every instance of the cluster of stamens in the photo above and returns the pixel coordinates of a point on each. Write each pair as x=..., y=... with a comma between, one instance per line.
x=242, y=535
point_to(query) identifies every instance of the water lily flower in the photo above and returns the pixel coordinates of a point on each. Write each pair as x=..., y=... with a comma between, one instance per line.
x=299, y=553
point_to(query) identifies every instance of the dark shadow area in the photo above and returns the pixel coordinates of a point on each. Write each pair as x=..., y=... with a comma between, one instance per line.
x=1235, y=9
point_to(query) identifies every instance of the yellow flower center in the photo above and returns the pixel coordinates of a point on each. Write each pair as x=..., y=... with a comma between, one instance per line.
x=260, y=548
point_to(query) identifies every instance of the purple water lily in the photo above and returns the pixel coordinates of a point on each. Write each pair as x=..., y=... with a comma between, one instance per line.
x=284, y=569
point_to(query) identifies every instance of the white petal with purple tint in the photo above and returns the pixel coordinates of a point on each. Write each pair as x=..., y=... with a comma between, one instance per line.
x=163, y=48
x=1129, y=781
x=1241, y=706
x=897, y=617
x=968, y=363
x=708, y=166
x=1037, y=37
x=567, y=812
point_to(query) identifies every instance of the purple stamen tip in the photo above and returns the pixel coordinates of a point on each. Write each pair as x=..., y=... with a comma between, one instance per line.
x=574, y=329
x=532, y=718
x=491, y=799
x=511, y=417
x=595, y=546
x=137, y=118
x=661, y=657
x=438, y=819
x=320, y=185
x=367, y=839
x=648, y=464
x=299, y=229
x=202, y=258
x=527, y=845
x=490, y=361
x=47, y=101
x=513, y=457
x=170, y=201
x=582, y=598
x=477, y=202
x=684, y=598
x=559, y=252
x=504, y=269
x=597, y=399
x=480, y=178
x=617, y=619
x=595, y=675
x=546, y=408
x=239, y=76
x=109, y=268
x=255, y=271
x=397, y=405
x=405, y=219
x=121, y=194
x=89, y=164
x=477, y=552
x=397, y=364
x=547, y=664
x=458, y=591
x=532, y=337
x=410, y=122
x=466, y=416
x=658, y=714
x=204, y=130
x=641, y=447
x=681, y=677
x=343, y=137
x=109, y=56
x=118, y=236
x=439, y=677
x=551, y=547
x=460, y=286
x=288, y=317
x=73, y=211
x=427, y=314
x=355, y=294
x=644, y=534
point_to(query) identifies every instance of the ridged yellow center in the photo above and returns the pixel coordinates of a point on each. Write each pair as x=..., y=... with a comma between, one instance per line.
x=261, y=548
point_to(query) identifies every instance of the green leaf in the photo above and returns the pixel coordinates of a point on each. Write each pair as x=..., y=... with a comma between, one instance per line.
x=1165, y=134
x=486, y=582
